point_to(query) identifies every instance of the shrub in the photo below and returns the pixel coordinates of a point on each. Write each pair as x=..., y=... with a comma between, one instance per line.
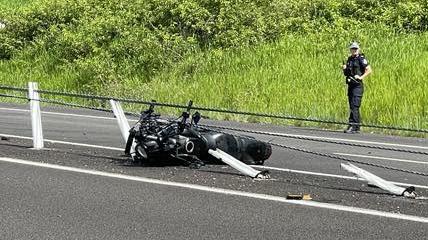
x=109, y=40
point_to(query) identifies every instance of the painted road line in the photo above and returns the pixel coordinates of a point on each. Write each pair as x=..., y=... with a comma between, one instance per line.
x=14, y=109
x=291, y=135
x=381, y=158
x=315, y=204
x=66, y=143
x=331, y=175
x=351, y=140
x=60, y=114
x=304, y=172
x=258, y=166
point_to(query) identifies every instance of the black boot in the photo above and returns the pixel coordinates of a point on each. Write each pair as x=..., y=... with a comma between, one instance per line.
x=351, y=129
x=348, y=129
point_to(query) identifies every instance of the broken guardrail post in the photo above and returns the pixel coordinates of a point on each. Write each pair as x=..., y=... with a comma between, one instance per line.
x=36, y=118
x=379, y=182
x=123, y=123
x=238, y=165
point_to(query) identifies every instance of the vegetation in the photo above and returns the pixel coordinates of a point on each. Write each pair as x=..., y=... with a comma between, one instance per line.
x=266, y=56
x=13, y=3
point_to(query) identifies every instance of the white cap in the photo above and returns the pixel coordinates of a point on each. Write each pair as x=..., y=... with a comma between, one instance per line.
x=354, y=45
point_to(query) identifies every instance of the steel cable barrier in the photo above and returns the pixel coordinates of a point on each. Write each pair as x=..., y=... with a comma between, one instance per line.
x=328, y=155
x=219, y=110
x=217, y=128
x=314, y=139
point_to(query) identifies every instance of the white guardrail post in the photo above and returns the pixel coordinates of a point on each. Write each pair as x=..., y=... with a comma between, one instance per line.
x=379, y=182
x=122, y=122
x=36, y=118
x=238, y=165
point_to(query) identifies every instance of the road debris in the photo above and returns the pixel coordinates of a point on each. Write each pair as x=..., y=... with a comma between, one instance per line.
x=238, y=165
x=299, y=196
x=373, y=180
x=3, y=138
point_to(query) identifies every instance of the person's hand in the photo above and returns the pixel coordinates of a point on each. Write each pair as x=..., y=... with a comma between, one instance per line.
x=344, y=66
x=358, y=77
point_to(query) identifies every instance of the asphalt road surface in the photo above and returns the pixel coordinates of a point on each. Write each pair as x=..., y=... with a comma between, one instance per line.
x=75, y=191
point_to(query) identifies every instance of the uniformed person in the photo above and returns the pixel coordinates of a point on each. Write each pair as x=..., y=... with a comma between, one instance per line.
x=355, y=70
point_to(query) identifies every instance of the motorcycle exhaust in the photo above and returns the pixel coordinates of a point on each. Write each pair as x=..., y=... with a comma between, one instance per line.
x=141, y=152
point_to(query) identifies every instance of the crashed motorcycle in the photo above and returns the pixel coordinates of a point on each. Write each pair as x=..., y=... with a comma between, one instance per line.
x=183, y=139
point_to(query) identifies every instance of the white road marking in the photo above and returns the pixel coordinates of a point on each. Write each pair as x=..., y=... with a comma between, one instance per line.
x=14, y=109
x=354, y=141
x=60, y=114
x=382, y=158
x=332, y=175
x=263, y=167
x=222, y=191
x=67, y=143
x=292, y=135
x=305, y=172
x=78, y=115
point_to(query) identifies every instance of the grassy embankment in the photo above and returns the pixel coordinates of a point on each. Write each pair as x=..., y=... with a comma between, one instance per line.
x=13, y=3
x=296, y=75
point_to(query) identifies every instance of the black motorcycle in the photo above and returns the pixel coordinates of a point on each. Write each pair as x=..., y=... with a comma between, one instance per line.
x=182, y=139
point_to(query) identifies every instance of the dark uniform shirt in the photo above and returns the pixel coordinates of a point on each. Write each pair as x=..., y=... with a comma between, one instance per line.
x=355, y=65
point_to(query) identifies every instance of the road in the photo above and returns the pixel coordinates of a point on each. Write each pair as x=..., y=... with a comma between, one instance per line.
x=72, y=196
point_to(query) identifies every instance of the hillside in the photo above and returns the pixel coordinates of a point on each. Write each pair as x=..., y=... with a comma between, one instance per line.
x=270, y=56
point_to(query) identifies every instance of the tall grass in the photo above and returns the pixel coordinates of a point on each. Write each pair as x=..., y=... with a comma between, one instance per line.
x=302, y=76
x=13, y=3
x=297, y=75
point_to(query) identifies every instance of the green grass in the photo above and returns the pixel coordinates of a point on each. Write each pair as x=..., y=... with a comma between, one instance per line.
x=300, y=75
x=13, y=3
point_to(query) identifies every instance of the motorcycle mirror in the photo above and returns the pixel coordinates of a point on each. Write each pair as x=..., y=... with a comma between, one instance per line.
x=189, y=106
x=196, y=117
x=152, y=105
x=150, y=110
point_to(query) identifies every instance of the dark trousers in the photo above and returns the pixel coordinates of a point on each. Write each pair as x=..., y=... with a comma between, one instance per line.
x=355, y=97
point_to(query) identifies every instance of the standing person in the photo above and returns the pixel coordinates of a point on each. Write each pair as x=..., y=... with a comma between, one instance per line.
x=355, y=70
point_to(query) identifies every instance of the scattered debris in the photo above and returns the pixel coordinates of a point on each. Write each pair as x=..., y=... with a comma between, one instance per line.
x=3, y=138
x=307, y=197
x=299, y=196
x=373, y=180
